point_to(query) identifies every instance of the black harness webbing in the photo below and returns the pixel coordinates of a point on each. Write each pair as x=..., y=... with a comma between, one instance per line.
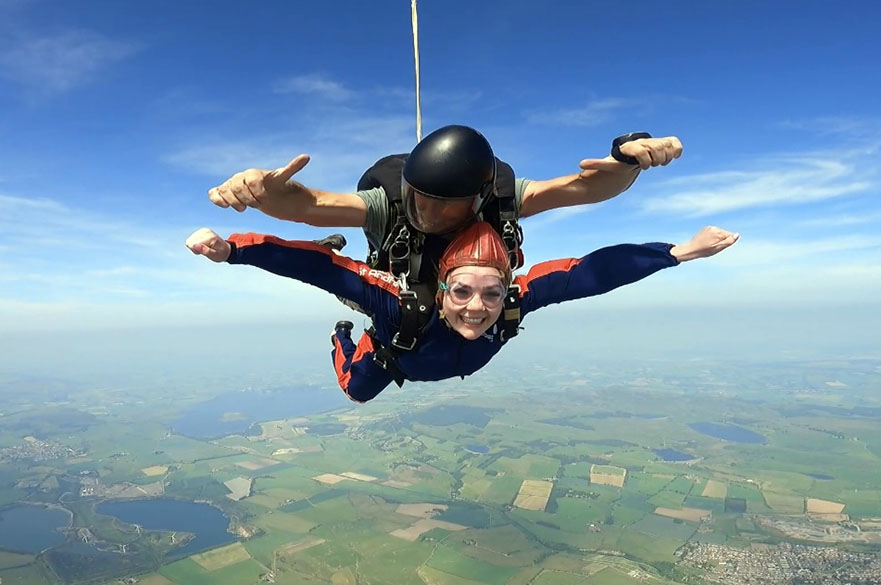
x=510, y=326
x=385, y=358
x=401, y=254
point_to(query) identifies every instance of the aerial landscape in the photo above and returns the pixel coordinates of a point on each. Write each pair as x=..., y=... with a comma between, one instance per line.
x=705, y=473
x=171, y=410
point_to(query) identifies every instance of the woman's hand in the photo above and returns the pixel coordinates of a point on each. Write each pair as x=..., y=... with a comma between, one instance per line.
x=708, y=242
x=207, y=243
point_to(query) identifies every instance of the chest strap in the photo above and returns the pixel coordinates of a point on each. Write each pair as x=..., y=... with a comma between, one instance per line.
x=414, y=317
x=510, y=325
x=385, y=358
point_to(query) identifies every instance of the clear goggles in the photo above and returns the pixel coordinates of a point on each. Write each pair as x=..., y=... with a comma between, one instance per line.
x=460, y=293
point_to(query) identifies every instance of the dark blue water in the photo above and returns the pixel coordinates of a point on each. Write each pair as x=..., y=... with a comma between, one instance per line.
x=210, y=419
x=32, y=529
x=822, y=476
x=206, y=522
x=479, y=449
x=672, y=455
x=731, y=433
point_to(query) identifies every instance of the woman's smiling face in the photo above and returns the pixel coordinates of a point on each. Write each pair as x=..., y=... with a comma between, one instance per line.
x=473, y=298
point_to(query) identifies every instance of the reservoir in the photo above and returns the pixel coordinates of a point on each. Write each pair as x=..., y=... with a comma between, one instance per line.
x=821, y=476
x=672, y=455
x=731, y=433
x=477, y=449
x=32, y=529
x=206, y=522
x=234, y=413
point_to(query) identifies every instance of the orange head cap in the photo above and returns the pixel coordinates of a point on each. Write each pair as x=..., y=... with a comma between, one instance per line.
x=477, y=245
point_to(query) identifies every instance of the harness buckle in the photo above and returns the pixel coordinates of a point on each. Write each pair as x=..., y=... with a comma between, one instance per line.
x=399, y=253
x=398, y=344
x=408, y=301
x=512, y=236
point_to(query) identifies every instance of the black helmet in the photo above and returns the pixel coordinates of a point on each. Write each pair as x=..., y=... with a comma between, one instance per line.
x=447, y=179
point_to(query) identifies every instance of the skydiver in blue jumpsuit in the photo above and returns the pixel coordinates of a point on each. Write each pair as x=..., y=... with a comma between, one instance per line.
x=463, y=332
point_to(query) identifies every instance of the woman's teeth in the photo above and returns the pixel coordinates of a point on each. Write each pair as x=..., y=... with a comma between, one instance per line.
x=472, y=320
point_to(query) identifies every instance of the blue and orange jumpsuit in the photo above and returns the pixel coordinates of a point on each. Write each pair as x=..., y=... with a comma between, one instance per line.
x=441, y=352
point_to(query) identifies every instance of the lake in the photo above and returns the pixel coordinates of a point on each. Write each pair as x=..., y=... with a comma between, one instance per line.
x=32, y=529
x=821, y=476
x=234, y=413
x=206, y=522
x=477, y=449
x=672, y=455
x=731, y=433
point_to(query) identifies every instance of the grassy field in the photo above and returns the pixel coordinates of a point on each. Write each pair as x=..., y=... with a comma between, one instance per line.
x=9, y=560
x=222, y=557
x=612, y=576
x=188, y=572
x=561, y=578
x=340, y=534
x=154, y=579
x=28, y=575
x=455, y=563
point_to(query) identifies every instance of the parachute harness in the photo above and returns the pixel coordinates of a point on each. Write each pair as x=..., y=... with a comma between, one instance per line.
x=403, y=249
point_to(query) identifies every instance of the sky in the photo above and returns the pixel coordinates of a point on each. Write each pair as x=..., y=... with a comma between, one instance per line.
x=117, y=117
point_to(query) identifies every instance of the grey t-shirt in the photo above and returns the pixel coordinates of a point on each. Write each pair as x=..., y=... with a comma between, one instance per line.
x=378, y=210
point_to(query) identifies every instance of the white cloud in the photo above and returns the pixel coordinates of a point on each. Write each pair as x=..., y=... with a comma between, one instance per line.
x=865, y=130
x=315, y=84
x=555, y=216
x=67, y=267
x=791, y=181
x=226, y=156
x=842, y=220
x=57, y=64
x=781, y=252
x=60, y=226
x=591, y=114
x=342, y=148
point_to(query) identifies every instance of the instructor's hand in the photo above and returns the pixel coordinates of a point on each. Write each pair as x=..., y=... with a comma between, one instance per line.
x=255, y=187
x=207, y=243
x=649, y=152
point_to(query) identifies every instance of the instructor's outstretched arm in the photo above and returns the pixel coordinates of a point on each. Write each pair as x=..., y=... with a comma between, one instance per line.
x=275, y=193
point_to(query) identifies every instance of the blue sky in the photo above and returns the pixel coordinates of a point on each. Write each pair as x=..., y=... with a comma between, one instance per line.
x=117, y=117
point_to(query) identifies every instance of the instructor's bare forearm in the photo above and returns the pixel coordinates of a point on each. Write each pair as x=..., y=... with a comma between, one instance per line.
x=578, y=189
x=318, y=208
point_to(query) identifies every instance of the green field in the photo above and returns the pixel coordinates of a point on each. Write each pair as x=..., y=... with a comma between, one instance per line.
x=417, y=449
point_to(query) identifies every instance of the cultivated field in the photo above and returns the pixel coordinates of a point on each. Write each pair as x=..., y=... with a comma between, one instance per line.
x=420, y=510
x=715, y=489
x=815, y=506
x=254, y=465
x=533, y=494
x=329, y=478
x=608, y=475
x=358, y=476
x=222, y=557
x=690, y=514
x=422, y=526
x=239, y=486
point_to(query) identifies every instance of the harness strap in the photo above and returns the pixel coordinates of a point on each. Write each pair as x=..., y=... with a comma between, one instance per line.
x=511, y=314
x=397, y=247
x=385, y=358
x=408, y=334
x=415, y=305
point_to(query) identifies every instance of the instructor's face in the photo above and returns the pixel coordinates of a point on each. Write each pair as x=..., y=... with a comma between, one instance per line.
x=431, y=215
